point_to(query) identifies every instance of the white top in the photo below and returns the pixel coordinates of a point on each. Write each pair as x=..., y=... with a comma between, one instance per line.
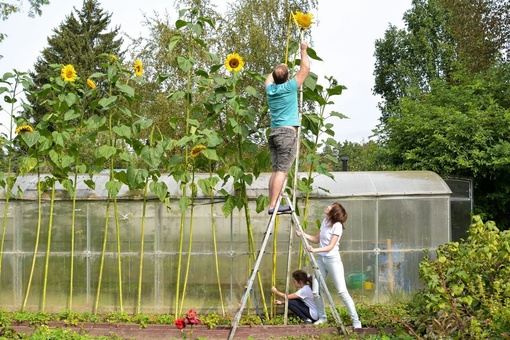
x=326, y=233
x=306, y=294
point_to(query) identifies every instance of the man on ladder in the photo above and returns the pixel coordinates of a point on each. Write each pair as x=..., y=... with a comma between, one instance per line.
x=283, y=142
x=282, y=99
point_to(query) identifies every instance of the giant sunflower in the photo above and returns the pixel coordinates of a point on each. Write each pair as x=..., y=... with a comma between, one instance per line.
x=138, y=67
x=234, y=62
x=197, y=150
x=303, y=20
x=23, y=128
x=68, y=73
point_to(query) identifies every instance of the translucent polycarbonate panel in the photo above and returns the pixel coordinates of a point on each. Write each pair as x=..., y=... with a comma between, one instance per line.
x=380, y=183
x=402, y=221
x=381, y=247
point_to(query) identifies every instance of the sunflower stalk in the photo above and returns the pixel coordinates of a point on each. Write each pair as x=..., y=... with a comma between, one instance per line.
x=142, y=243
x=215, y=243
x=37, y=236
x=48, y=245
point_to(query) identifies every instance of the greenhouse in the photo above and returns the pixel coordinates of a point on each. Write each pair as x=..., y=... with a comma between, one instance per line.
x=393, y=218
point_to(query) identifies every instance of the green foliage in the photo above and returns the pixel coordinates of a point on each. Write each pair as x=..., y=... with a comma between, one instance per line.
x=212, y=320
x=467, y=287
x=459, y=130
x=78, y=41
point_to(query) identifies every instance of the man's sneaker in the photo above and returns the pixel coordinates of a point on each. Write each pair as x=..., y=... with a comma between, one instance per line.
x=356, y=325
x=308, y=322
x=320, y=321
x=282, y=209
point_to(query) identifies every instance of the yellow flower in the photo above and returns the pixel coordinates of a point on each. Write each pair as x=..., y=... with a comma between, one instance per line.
x=68, y=73
x=138, y=67
x=197, y=150
x=91, y=83
x=23, y=128
x=303, y=20
x=234, y=62
x=113, y=58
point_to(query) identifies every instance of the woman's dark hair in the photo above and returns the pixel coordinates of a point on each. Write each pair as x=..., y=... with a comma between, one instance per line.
x=302, y=276
x=337, y=213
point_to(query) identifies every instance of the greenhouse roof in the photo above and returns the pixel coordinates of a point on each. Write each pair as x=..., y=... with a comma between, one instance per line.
x=343, y=184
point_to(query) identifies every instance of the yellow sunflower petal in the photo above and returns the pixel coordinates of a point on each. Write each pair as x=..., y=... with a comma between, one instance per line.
x=138, y=67
x=303, y=20
x=197, y=150
x=234, y=62
x=23, y=128
x=91, y=83
x=68, y=73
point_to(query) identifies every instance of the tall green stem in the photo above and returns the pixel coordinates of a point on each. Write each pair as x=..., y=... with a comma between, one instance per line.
x=103, y=253
x=215, y=243
x=190, y=242
x=37, y=236
x=48, y=246
x=8, y=188
x=119, y=254
x=142, y=244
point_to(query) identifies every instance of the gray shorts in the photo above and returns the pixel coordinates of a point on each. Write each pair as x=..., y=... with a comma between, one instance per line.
x=283, y=145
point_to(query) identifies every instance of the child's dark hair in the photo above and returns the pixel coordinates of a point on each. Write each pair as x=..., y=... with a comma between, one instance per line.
x=336, y=214
x=302, y=276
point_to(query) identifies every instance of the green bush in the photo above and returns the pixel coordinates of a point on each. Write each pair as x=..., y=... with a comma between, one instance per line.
x=467, y=290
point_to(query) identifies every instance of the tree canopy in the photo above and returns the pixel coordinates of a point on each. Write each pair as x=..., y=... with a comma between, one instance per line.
x=445, y=95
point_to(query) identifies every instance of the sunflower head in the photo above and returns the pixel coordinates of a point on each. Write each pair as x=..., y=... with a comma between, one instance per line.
x=91, y=83
x=68, y=73
x=234, y=62
x=23, y=128
x=197, y=150
x=138, y=67
x=303, y=20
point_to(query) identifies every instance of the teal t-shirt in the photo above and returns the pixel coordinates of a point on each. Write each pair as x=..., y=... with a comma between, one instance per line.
x=283, y=103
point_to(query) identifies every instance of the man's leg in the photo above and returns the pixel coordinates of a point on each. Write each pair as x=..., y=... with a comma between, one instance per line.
x=276, y=182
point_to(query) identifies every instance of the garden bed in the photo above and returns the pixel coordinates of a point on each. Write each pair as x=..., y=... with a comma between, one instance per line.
x=169, y=332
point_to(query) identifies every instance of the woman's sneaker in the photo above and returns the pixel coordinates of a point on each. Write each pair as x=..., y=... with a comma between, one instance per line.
x=320, y=321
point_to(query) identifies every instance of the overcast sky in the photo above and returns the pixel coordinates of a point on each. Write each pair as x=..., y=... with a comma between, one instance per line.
x=343, y=37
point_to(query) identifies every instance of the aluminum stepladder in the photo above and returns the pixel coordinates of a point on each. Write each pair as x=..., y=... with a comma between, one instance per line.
x=317, y=273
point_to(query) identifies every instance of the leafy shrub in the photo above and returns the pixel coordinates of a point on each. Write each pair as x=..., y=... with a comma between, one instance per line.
x=467, y=287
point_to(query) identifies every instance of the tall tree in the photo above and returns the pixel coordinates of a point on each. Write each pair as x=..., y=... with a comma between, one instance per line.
x=441, y=37
x=444, y=83
x=78, y=41
x=413, y=57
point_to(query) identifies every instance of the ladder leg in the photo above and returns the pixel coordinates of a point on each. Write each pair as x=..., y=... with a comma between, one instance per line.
x=249, y=285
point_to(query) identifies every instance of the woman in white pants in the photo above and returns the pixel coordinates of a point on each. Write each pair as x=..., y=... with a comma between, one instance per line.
x=329, y=261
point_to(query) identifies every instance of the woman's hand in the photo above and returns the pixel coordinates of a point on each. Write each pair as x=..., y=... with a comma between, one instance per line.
x=298, y=233
x=310, y=249
x=278, y=302
x=274, y=290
